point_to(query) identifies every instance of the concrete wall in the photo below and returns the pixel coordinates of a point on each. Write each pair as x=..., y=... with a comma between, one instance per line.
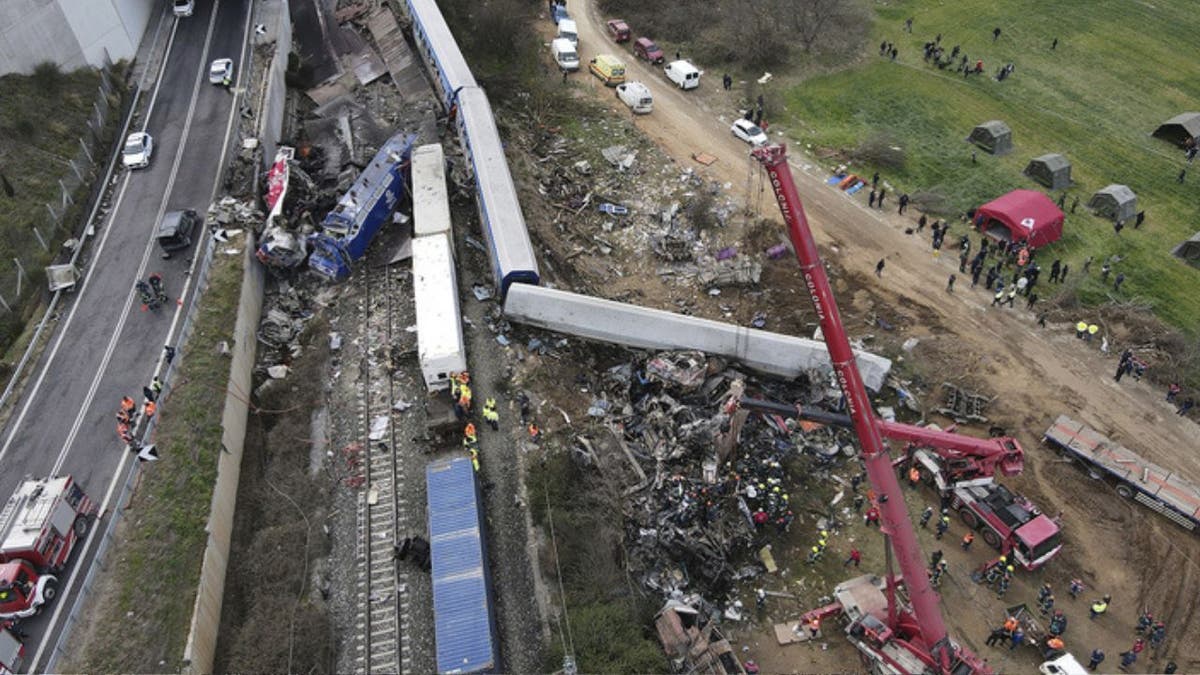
x=643, y=328
x=71, y=33
x=275, y=15
x=206, y=615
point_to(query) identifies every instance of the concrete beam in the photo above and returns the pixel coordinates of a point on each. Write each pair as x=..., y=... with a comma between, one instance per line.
x=633, y=326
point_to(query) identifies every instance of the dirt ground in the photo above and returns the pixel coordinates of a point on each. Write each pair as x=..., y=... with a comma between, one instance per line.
x=1036, y=374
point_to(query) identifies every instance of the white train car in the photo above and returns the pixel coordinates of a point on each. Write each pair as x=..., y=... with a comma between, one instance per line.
x=439, y=326
x=440, y=53
x=431, y=203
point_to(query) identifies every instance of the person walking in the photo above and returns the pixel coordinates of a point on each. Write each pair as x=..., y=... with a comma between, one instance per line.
x=1062, y=276
x=1188, y=404
x=871, y=199
x=148, y=409
x=1173, y=390
x=1096, y=658
x=879, y=268
x=950, y=283
x=855, y=557
x=879, y=202
x=1033, y=298
x=1118, y=281
x=942, y=526
x=967, y=540
x=1055, y=268
x=1127, y=659
x=903, y=202
x=1012, y=295
x=490, y=415
x=1075, y=588
x=727, y=81
x=926, y=515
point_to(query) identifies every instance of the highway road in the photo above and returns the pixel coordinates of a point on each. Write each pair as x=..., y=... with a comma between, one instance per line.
x=105, y=346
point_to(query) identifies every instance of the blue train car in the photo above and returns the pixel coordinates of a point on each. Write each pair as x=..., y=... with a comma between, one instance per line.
x=348, y=229
x=444, y=60
x=509, y=247
x=463, y=606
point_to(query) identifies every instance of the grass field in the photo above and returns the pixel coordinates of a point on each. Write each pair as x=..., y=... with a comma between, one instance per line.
x=1120, y=68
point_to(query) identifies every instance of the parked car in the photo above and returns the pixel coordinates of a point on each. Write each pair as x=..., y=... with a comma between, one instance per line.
x=220, y=70
x=637, y=96
x=644, y=48
x=609, y=69
x=568, y=31
x=683, y=74
x=619, y=30
x=748, y=131
x=565, y=54
x=184, y=7
x=175, y=231
x=559, y=13
x=138, y=147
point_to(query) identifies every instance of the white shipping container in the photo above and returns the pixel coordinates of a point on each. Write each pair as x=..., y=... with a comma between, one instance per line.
x=431, y=206
x=439, y=325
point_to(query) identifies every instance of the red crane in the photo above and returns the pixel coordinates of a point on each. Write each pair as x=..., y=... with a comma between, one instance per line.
x=926, y=637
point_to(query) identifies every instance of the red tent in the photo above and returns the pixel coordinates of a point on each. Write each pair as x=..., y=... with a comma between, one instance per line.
x=1021, y=215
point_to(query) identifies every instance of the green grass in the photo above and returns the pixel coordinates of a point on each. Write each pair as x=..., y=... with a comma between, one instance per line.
x=161, y=545
x=1119, y=70
x=42, y=118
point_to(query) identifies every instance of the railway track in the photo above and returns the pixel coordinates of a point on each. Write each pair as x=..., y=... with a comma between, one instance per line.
x=381, y=592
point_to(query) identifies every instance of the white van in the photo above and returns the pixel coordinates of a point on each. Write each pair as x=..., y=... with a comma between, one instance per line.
x=637, y=96
x=564, y=54
x=1063, y=665
x=567, y=31
x=683, y=74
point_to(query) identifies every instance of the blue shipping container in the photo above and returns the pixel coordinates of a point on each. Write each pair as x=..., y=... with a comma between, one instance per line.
x=463, y=616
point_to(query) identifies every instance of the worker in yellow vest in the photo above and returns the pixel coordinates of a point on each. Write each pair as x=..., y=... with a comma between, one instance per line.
x=1092, y=330
x=1080, y=329
x=490, y=415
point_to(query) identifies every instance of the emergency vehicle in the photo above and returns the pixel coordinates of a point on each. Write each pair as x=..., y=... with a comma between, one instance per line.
x=39, y=527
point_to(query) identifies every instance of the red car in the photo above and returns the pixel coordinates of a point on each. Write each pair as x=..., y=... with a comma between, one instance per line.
x=619, y=30
x=645, y=48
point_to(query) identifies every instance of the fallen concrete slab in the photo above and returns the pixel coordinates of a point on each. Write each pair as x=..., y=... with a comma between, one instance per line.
x=644, y=328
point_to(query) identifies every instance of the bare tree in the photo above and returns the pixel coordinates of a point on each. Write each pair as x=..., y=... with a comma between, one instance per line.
x=824, y=21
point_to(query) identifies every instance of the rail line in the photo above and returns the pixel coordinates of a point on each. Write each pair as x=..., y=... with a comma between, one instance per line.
x=379, y=592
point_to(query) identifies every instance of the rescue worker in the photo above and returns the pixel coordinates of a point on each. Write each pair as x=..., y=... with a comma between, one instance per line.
x=128, y=405
x=914, y=477
x=469, y=436
x=454, y=387
x=814, y=627
x=942, y=526
x=760, y=598
x=1099, y=607
x=475, y=458
x=1144, y=622
x=1081, y=329
x=1076, y=588
x=1011, y=624
x=926, y=515
x=1054, y=647
x=535, y=434
x=966, y=541
x=148, y=409
x=124, y=433
x=1047, y=605
x=1092, y=329
x=1096, y=659
x=490, y=415
x=464, y=399
x=1043, y=592
x=1058, y=624
x=156, y=387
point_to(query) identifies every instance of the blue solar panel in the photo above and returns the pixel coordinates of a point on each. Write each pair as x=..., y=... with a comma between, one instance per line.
x=464, y=627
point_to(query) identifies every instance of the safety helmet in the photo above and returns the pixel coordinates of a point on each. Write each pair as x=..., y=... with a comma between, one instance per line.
x=470, y=430
x=1010, y=568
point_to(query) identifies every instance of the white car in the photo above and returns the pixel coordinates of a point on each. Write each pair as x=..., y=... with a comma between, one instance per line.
x=220, y=70
x=184, y=7
x=138, y=148
x=748, y=131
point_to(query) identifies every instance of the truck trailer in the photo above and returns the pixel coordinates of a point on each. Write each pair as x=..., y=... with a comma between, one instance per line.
x=439, y=324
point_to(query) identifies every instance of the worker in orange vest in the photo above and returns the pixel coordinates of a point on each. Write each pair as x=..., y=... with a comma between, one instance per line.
x=469, y=436
x=148, y=409
x=814, y=627
x=967, y=539
x=535, y=434
x=1010, y=624
x=123, y=432
x=128, y=406
x=914, y=477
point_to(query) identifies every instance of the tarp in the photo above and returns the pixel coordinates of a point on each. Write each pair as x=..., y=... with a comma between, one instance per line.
x=1189, y=249
x=994, y=137
x=1180, y=128
x=1053, y=171
x=1021, y=215
x=1116, y=202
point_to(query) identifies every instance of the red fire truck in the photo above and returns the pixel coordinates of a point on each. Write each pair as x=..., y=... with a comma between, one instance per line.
x=39, y=527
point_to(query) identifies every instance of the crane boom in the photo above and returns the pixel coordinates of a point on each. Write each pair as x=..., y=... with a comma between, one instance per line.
x=922, y=596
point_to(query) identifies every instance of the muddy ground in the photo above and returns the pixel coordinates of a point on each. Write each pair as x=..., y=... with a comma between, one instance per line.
x=1035, y=374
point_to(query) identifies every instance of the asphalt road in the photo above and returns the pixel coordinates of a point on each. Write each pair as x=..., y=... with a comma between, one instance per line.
x=105, y=346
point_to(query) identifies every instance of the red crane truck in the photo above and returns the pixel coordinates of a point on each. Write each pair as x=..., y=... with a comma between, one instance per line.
x=39, y=527
x=963, y=471
x=892, y=637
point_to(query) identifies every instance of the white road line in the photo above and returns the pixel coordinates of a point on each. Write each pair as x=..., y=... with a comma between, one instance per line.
x=125, y=457
x=65, y=328
x=129, y=296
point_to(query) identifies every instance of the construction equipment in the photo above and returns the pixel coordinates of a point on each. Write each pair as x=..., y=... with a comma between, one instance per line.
x=891, y=637
x=963, y=471
x=39, y=527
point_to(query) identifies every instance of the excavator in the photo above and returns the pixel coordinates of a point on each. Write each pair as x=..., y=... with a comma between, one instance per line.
x=891, y=635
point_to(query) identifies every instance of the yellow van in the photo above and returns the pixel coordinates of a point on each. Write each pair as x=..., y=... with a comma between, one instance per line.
x=609, y=69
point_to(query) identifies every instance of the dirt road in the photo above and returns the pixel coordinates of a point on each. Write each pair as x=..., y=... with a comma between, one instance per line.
x=1036, y=374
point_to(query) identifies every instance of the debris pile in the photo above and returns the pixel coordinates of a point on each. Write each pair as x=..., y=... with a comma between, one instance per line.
x=714, y=484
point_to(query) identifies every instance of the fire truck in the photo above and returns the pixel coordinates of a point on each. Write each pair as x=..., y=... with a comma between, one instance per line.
x=39, y=527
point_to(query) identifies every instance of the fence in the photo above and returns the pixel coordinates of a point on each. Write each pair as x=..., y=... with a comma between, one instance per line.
x=20, y=275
